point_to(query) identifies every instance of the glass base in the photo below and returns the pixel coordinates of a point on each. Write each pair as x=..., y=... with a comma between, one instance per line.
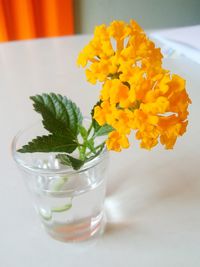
x=81, y=230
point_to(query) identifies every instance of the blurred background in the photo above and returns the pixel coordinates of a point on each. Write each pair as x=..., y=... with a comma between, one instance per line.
x=150, y=14
x=27, y=19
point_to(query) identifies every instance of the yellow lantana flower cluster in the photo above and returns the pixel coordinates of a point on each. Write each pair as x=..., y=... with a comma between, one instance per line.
x=137, y=93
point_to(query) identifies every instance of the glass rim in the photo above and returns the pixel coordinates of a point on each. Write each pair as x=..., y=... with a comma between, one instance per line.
x=69, y=170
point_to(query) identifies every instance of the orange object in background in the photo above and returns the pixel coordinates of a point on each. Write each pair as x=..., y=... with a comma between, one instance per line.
x=27, y=19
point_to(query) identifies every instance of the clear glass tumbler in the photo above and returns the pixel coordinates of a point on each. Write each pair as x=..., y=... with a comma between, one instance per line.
x=69, y=203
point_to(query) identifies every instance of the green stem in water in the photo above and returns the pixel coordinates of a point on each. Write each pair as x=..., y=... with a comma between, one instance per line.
x=60, y=182
x=61, y=209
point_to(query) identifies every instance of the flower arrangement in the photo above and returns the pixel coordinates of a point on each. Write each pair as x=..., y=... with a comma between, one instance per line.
x=137, y=94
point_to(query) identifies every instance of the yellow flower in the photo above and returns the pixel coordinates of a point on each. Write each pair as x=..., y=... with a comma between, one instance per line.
x=115, y=91
x=178, y=97
x=136, y=51
x=172, y=127
x=121, y=122
x=117, y=141
x=137, y=93
x=102, y=113
x=160, y=106
x=119, y=30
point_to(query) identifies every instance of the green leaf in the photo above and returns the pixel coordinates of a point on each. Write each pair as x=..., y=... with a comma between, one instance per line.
x=70, y=161
x=49, y=143
x=77, y=163
x=64, y=159
x=60, y=115
x=103, y=130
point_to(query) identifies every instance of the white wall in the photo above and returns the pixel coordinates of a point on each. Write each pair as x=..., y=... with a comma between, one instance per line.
x=150, y=14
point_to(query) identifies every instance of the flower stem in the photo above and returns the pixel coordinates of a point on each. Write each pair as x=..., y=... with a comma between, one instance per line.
x=90, y=129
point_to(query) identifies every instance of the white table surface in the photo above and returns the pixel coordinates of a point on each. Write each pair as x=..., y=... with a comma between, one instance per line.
x=153, y=199
x=183, y=41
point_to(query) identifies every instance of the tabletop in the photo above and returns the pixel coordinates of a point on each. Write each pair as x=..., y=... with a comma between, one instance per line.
x=153, y=198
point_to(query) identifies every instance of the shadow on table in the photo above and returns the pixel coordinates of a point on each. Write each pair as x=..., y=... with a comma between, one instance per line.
x=131, y=195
